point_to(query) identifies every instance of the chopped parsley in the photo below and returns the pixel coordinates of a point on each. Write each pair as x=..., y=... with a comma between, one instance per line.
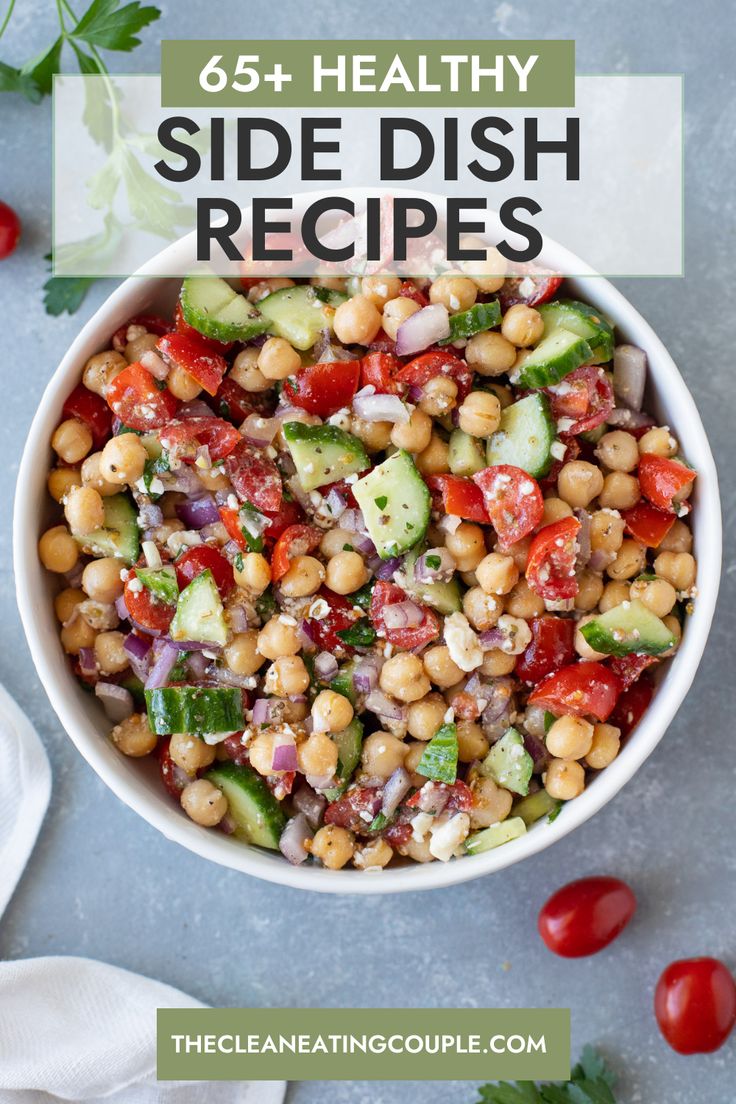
x=151, y=469
x=381, y=502
x=363, y=596
x=591, y=1082
x=239, y=561
x=348, y=548
x=432, y=562
x=360, y=635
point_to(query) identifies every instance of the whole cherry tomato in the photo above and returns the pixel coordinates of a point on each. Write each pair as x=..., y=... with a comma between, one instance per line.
x=695, y=1005
x=9, y=230
x=513, y=500
x=585, y=916
x=201, y=558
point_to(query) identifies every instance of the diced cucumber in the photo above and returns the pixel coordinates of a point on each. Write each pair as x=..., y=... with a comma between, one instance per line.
x=119, y=536
x=396, y=504
x=439, y=760
x=524, y=437
x=349, y=743
x=535, y=806
x=509, y=764
x=627, y=628
x=299, y=314
x=198, y=710
x=343, y=681
x=466, y=454
x=161, y=583
x=495, y=836
x=552, y=359
x=199, y=614
x=210, y=305
x=444, y=597
x=257, y=814
x=324, y=453
x=479, y=317
x=580, y=319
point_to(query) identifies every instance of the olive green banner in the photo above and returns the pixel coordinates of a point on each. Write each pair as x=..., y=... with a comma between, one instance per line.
x=376, y=74
x=363, y=1044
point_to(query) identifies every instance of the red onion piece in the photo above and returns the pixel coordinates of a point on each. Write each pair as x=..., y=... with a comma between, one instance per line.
x=380, y=408
x=163, y=666
x=262, y=711
x=195, y=408
x=238, y=616
x=226, y=677
x=87, y=661
x=403, y=615
x=423, y=573
x=499, y=700
x=116, y=700
x=624, y=418
x=534, y=720
x=537, y=750
x=150, y=516
x=198, y=512
x=583, y=538
x=153, y=363
x=384, y=707
x=394, y=791
x=422, y=329
x=197, y=665
x=312, y=804
x=600, y=559
x=629, y=375
x=385, y=569
x=336, y=503
x=415, y=394
x=121, y=609
x=137, y=646
x=325, y=352
x=284, y=755
x=365, y=676
x=185, y=480
x=325, y=665
x=260, y=431
x=432, y=798
x=353, y=521
x=320, y=782
x=227, y=824
x=291, y=843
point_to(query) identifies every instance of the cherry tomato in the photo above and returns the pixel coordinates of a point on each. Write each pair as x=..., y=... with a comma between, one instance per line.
x=585, y=396
x=550, y=567
x=630, y=667
x=325, y=388
x=195, y=357
x=231, y=520
x=585, y=916
x=9, y=230
x=182, y=327
x=150, y=322
x=297, y=540
x=256, y=479
x=355, y=809
x=452, y=494
x=633, y=704
x=422, y=369
x=531, y=289
x=551, y=647
x=379, y=370
x=661, y=480
x=695, y=1005
x=648, y=524
x=185, y=436
x=584, y=689
x=323, y=631
x=454, y=796
x=409, y=290
x=92, y=410
x=138, y=402
x=201, y=558
x=397, y=835
x=388, y=594
x=288, y=513
x=513, y=500
x=234, y=403
x=145, y=609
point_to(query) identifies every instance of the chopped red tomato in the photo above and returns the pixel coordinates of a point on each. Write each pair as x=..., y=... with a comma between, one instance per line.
x=422, y=369
x=664, y=481
x=355, y=809
x=584, y=398
x=231, y=520
x=256, y=479
x=150, y=322
x=513, y=500
x=145, y=609
x=323, y=631
x=550, y=567
x=648, y=524
x=379, y=370
x=397, y=835
x=323, y=389
x=572, y=451
x=584, y=689
x=531, y=290
x=201, y=558
x=185, y=436
x=551, y=647
x=410, y=291
x=234, y=403
x=297, y=540
x=633, y=704
x=194, y=357
x=451, y=494
x=453, y=797
x=137, y=400
x=92, y=410
x=172, y=776
x=388, y=594
x=235, y=749
x=182, y=326
x=288, y=513
x=382, y=343
x=630, y=667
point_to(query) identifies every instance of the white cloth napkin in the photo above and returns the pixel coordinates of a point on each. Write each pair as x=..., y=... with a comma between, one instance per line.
x=71, y=1028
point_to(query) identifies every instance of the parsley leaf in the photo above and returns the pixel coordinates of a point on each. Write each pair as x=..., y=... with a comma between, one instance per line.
x=151, y=469
x=15, y=80
x=65, y=293
x=432, y=562
x=111, y=27
x=359, y=635
x=381, y=502
x=591, y=1082
x=42, y=67
x=363, y=596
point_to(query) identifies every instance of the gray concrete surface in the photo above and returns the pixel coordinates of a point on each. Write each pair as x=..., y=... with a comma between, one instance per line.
x=104, y=884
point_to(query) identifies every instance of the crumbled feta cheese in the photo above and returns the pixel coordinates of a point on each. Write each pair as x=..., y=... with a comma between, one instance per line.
x=450, y=523
x=186, y=539
x=232, y=502
x=152, y=555
x=318, y=609
x=420, y=825
x=449, y=716
x=388, y=650
x=447, y=835
x=135, y=585
x=286, y=619
x=462, y=642
x=527, y=288
x=558, y=450
x=564, y=424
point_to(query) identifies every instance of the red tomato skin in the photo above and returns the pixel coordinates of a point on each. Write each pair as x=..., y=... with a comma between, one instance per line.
x=231, y=522
x=629, y=668
x=182, y=326
x=134, y=397
x=544, y=289
x=550, y=566
x=92, y=410
x=585, y=916
x=585, y=689
x=306, y=537
x=346, y=810
x=387, y=594
x=170, y=776
x=660, y=479
x=323, y=631
x=323, y=389
x=288, y=513
x=201, y=558
x=9, y=230
x=151, y=322
x=458, y=496
x=409, y=291
x=186, y=435
x=695, y=1005
x=234, y=403
x=151, y=614
x=379, y=370
x=435, y=363
x=195, y=357
x=648, y=524
x=512, y=514
x=633, y=704
x=551, y=647
x=256, y=479
x=600, y=399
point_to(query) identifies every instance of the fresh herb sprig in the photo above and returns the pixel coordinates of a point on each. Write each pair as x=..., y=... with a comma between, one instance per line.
x=591, y=1082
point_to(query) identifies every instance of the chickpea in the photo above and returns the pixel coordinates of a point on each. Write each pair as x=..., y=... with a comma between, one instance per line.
x=613, y=595
x=334, y=541
x=679, y=539
x=60, y=482
x=92, y=477
x=417, y=850
x=278, y=637
x=590, y=589
x=260, y=752
x=267, y=287
x=471, y=741
x=346, y=572
x=143, y=343
x=412, y=759
x=66, y=601
x=403, y=677
x=570, y=738
x=304, y=577
x=630, y=560
x=395, y=312
x=497, y=662
x=519, y=551
x=435, y=458
x=255, y=573
x=482, y=609
x=243, y=655
x=214, y=479
x=376, y=436
x=134, y=737
x=333, y=846
x=605, y=746
x=72, y=440
x=163, y=533
x=190, y=753
x=288, y=675
x=497, y=574
x=331, y=712
x=357, y=321
x=677, y=568
x=84, y=510
x=382, y=754
x=203, y=803
x=522, y=325
x=659, y=442
x=425, y=716
x=317, y=755
x=466, y=545
x=441, y=667
x=277, y=359
x=374, y=853
x=620, y=491
x=658, y=595
x=76, y=635
x=579, y=482
x=181, y=384
x=675, y=628
x=606, y=531
x=480, y=414
x=523, y=602
x=618, y=451
x=491, y=803
x=380, y=289
x=123, y=459
x=490, y=354
x=454, y=291
x=582, y=647
x=414, y=435
x=110, y=654
x=246, y=372
x=564, y=779
x=101, y=369
x=57, y=550
x=438, y=396
x=554, y=510
x=487, y=274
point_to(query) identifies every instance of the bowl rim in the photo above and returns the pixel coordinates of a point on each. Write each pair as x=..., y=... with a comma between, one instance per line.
x=129, y=299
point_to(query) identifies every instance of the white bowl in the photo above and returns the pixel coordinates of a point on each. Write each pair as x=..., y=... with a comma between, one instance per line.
x=136, y=782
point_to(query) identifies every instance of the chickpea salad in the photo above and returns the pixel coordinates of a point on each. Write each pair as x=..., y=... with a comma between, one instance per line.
x=375, y=569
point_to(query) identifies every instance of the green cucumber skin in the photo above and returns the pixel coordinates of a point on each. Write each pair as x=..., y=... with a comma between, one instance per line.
x=549, y=363
x=408, y=504
x=444, y=597
x=198, y=710
x=120, y=536
x=161, y=582
x=332, y=453
x=571, y=314
x=524, y=437
x=199, y=614
x=299, y=314
x=534, y=807
x=477, y=319
x=495, y=836
x=196, y=289
x=349, y=744
x=466, y=454
x=258, y=815
x=653, y=635
x=506, y=770
x=439, y=761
